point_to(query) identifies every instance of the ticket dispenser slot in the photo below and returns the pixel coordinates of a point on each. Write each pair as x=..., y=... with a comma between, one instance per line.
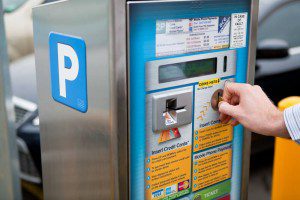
x=172, y=109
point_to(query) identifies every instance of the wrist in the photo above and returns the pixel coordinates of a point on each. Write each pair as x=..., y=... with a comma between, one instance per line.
x=279, y=127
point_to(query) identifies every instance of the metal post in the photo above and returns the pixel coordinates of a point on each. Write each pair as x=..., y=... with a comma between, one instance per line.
x=9, y=164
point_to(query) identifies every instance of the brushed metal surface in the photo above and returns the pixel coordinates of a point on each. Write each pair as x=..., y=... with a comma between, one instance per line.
x=250, y=79
x=119, y=97
x=184, y=98
x=84, y=156
x=9, y=162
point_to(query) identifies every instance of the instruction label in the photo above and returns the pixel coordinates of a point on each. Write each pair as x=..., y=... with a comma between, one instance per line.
x=208, y=83
x=238, y=30
x=168, y=174
x=212, y=136
x=192, y=35
x=212, y=166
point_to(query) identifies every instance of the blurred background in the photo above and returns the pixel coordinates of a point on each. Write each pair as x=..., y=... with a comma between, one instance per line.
x=278, y=67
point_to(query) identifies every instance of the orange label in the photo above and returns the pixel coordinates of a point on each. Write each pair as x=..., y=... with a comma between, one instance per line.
x=212, y=136
x=168, y=173
x=212, y=166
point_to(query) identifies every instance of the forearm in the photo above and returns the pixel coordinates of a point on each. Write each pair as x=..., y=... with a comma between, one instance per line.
x=278, y=125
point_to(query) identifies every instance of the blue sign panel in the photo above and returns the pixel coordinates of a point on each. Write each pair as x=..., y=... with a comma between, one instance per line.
x=68, y=71
x=188, y=48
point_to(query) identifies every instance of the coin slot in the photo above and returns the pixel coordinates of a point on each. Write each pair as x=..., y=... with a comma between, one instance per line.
x=216, y=99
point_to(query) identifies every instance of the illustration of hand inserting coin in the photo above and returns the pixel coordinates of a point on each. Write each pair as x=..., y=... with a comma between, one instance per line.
x=204, y=110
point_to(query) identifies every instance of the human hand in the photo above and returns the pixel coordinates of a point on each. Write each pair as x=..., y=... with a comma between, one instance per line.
x=250, y=106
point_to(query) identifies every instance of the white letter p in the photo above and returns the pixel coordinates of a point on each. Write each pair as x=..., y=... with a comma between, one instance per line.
x=65, y=73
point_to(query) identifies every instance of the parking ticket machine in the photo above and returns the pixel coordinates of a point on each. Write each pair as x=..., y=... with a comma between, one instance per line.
x=129, y=95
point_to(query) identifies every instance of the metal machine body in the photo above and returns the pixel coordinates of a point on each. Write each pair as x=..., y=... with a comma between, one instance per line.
x=80, y=157
x=155, y=72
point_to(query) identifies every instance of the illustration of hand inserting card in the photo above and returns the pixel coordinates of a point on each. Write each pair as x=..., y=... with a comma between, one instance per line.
x=170, y=118
x=166, y=135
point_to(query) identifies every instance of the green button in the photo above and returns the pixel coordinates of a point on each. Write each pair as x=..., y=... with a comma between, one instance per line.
x=214, y=191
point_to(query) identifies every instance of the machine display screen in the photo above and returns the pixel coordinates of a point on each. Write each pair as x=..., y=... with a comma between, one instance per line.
x=191, y=69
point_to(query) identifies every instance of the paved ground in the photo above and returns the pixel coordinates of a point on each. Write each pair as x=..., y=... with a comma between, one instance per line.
x=260, y=184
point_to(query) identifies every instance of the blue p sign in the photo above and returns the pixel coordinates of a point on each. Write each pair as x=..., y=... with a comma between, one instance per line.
x=68, y=70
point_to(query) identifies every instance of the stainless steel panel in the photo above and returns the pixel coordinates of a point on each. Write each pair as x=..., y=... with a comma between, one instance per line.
x=119, y=99
x=84, y=156
x=184, y=99
x=250, y=80
x=9, y=163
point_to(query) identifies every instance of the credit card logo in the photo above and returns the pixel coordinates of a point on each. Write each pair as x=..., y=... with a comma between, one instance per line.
x=158, y=193
x=183, y=185
x=171, y=190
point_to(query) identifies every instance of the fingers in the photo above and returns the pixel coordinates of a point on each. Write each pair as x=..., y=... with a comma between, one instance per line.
x=227, y=109
x=232, y=89
x=235, y=100
x=224, y=118
x=227, y=119
x=234, y=123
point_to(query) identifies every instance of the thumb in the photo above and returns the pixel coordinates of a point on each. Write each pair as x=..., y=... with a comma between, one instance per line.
x=227, y=109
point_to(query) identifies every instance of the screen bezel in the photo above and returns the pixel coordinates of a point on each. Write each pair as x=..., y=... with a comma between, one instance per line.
x=213, y=70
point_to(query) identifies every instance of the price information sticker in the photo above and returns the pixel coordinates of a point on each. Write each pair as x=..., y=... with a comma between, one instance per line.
x=191, y=35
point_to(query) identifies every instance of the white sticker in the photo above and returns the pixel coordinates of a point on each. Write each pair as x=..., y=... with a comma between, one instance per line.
x=191, y=35
x=238, y=30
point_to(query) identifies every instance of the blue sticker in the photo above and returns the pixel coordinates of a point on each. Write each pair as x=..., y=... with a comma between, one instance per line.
x=68, y=70
x=223, y=22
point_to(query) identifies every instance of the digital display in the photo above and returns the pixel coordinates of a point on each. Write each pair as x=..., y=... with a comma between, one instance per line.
x=191, y=69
